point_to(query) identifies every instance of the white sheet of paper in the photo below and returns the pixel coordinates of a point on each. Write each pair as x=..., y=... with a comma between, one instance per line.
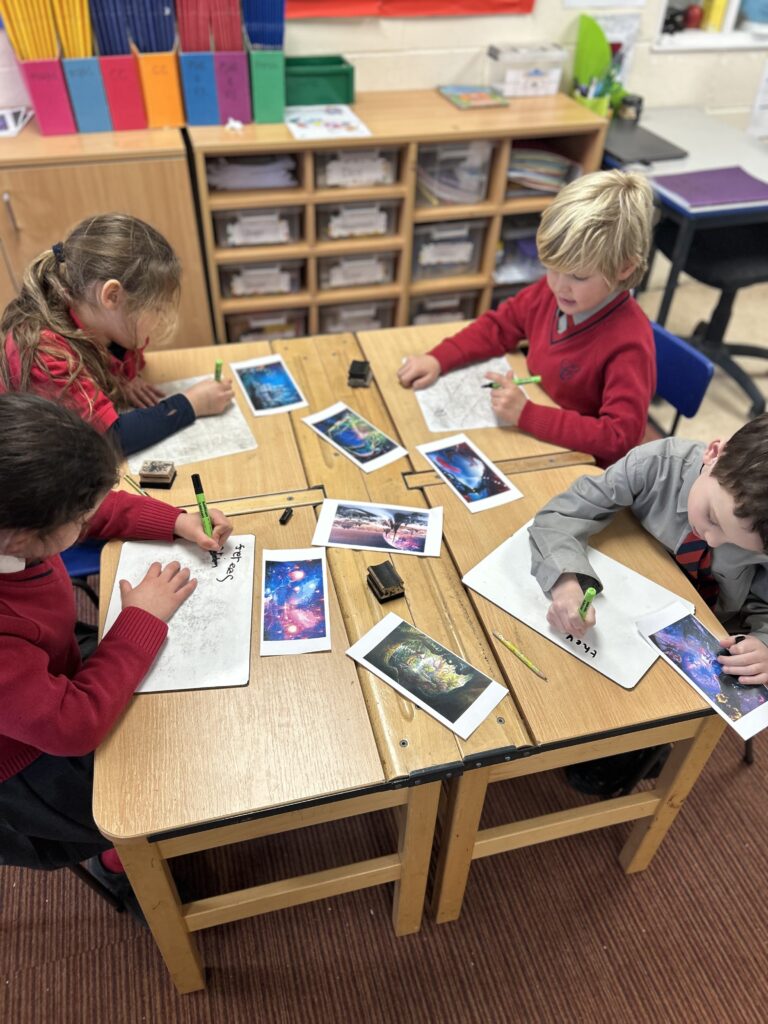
x=458, y=400
x=429, y=657
x=324, y=121
x=472, y=477
x=356, y=437
x=673, y=630
x=294, y=605
x=209, y=637
x=387, y=528
x=209, y=437
x=280, y=394
x=613, y=647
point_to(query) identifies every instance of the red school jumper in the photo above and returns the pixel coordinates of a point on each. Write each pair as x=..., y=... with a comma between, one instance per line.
x=601, y=372
x=49, y=701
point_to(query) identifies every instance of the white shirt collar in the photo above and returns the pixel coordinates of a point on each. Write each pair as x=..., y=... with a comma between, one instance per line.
x=9, y=563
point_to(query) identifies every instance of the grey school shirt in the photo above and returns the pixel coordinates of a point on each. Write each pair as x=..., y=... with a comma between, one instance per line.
x=654, y=481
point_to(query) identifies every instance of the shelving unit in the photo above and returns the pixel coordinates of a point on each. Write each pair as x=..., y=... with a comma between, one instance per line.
x=397, y=120
x=732, y=34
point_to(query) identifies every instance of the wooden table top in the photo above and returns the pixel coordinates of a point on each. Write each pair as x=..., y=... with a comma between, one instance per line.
x=385, y=351
x=273, y=466
x=297, y=732
x=576, y=701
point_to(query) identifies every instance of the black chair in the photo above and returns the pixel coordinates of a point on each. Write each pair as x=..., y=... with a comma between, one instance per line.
x=728, y=258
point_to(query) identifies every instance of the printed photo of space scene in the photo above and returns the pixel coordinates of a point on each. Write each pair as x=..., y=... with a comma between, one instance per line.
x=694, y=650
x=432, y=673
x=268, y=386
x=355, y=436
x=294, y=600
x=467, y=472
x=377, y=526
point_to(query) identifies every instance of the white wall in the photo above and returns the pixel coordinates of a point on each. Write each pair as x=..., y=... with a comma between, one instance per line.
x=413, y=53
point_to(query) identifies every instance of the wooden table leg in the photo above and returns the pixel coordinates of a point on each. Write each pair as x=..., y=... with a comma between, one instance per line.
x=683, y=767
x=156, y=892
x=457, y=842
x=417, y=833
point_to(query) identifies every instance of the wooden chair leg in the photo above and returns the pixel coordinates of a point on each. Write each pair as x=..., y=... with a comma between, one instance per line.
x=95, y=884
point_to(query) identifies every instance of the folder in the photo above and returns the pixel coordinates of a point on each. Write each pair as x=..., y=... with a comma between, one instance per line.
x=232, y=85
x=86, y=93
x=48, y=91
x=159, y=73
x=123, y=90
x=267, y=85
x=198, y=79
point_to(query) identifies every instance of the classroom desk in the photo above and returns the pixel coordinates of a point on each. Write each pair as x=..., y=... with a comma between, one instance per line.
x=710, y=142
x=578, y=714
x=385, y=351
x=269, y=468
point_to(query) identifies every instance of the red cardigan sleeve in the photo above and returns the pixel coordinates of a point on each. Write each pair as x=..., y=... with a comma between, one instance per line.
x=629, y=384
x=133, y=517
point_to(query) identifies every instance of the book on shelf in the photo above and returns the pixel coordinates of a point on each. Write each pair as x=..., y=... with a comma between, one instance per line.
x=720, y=186
x=538, y=172
x=471, y=97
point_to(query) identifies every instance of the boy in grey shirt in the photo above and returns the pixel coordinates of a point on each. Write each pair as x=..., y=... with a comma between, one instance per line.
x=708, y=506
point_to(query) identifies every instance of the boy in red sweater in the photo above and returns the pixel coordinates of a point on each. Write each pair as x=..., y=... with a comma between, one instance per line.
x=56, y=475
x=587, y=337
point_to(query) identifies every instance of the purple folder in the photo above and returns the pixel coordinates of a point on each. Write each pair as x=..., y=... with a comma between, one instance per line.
x=721, y=186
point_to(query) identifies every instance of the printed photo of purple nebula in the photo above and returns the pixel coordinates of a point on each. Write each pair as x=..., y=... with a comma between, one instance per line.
x=355, y=435
x=294, y=600
x=688, y=644
x=470, y=475
x=379, y=527
x=269, y=386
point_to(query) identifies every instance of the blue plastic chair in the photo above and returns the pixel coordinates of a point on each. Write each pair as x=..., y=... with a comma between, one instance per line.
x=83, y=560
x=683, y=376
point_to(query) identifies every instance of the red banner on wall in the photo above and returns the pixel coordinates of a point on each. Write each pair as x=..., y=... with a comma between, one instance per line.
x=403, y=8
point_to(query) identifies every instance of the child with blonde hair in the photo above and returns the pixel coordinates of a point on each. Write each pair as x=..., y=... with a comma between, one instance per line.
x=76, y=332
x=588, y=339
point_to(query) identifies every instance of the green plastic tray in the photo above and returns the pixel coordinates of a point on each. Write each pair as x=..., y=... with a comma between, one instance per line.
x=318, y=80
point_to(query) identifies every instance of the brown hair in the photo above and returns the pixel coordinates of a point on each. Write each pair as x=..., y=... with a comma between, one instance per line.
x=54, y=466
x=599, y=224
x=110, y=245
x=742, y=469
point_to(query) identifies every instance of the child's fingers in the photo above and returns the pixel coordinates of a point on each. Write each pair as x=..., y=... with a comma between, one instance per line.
x=125, y=589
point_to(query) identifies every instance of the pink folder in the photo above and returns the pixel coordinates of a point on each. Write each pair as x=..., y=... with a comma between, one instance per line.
x=233, y=86
x=48, y=92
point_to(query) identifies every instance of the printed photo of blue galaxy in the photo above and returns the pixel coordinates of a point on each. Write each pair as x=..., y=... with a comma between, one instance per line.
x=267, y=385
x=693, y=650
x=355, y=437
x=293, y=602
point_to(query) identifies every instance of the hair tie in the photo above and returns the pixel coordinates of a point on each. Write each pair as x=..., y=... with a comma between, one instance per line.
x=58, y=251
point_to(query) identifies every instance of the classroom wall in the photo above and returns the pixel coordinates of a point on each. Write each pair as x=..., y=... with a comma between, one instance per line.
x=412, y=53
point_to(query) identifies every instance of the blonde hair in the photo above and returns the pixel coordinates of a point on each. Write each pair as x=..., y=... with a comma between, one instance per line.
x=599, y=224
x=100, y=248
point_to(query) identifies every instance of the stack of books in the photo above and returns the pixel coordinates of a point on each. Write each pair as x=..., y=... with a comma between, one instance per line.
x=538, y=172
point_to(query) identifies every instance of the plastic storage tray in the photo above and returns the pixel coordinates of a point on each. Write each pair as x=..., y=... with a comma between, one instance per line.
x=453, y=173
x=241, y=173
x=257, y=227
x=444, y=309
x=262, y=278
x=527, y=70
x=447, y=249
x=352, y=271
x=328, y=79
x=278, y=323
x=357, y=220
x=517, y=259
x=355, y=168
x=357, y=316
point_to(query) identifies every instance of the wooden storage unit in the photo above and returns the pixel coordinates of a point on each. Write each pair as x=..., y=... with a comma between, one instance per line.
x=401, y=120
x=48, y=184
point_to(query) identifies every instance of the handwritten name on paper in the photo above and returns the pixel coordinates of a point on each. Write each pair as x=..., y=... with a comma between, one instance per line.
x=236, y=555
x=580, y=643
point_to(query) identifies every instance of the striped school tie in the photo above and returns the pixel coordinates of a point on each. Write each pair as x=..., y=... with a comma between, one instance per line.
x=694, y=556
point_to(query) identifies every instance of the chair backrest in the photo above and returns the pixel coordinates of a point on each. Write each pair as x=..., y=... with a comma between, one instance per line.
x=682, y=373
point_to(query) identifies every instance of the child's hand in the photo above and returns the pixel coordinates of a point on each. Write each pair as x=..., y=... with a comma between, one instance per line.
x=418, y=372
x=190, y=527
x=161, y=592
x=747, y=659
x=563, y=613
x=210, y=397
x=507, y=400
x=141, y=394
